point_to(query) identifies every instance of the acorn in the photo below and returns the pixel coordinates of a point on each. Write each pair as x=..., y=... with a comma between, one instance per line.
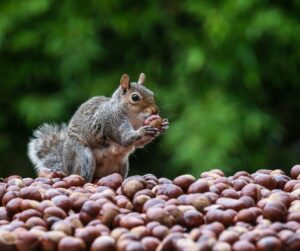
x=160, y=215
x=129, y=222
x=251, y=190
x=154, y=121
x=295, y=171
x=113, y=180
x=269, y=243
x=140, y=231
x=243, y=245
x=89, y=233
x=103, y=243
x=221, y=216
x=199, y=186
x=7, y=240
x=51, y=239
x=192, y=218
x=265, y=180
x=229, y=203
x=170, y=190
x=150, y=243
x=27, y=241
x=132, y=185
x=274, y=211
x=229, y=236
x=184, y=181
x=160, y=232
x=69, y=243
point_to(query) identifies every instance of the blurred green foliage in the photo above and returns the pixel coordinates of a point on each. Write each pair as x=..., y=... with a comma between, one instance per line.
x=226, y=74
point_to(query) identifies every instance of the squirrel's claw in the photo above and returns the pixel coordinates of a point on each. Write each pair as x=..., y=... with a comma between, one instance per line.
x=164, y=126
x=150, y=130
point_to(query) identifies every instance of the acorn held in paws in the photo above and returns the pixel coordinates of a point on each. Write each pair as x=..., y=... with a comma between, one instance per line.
x=154, y=120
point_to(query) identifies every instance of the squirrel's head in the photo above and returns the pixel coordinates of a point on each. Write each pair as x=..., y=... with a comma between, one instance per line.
x=139, y=102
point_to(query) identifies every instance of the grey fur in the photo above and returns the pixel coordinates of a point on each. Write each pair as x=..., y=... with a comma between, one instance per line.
x=46, y=147
x=100, y=136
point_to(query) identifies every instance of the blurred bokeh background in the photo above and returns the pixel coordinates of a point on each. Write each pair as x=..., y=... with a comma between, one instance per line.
x=226, y=74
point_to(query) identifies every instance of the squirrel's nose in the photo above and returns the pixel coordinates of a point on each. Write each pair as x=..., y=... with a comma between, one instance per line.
x=154, y=110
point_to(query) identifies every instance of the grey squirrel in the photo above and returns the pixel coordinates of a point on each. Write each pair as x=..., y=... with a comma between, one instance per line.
x=101, y=135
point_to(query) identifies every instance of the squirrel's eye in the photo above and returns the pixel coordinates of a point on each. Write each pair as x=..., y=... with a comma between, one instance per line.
x=135, y=97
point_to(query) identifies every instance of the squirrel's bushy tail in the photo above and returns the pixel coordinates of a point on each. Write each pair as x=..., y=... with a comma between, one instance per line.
x=45, y=149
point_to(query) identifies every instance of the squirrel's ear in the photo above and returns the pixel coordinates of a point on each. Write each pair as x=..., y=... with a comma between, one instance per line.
x=142, y=78
x=125, y=82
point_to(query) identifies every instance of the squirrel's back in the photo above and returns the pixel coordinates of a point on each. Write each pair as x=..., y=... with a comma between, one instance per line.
x=45, y=149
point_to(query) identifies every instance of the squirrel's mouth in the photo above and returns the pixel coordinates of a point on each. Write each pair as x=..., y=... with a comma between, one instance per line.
x=152, y=117
x=150, y=114
x=146, y=115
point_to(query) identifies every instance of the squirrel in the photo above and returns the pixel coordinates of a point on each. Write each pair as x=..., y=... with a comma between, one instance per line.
x=101, y=135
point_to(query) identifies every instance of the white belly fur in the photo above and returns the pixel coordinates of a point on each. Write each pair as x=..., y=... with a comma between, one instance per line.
x=110, y=159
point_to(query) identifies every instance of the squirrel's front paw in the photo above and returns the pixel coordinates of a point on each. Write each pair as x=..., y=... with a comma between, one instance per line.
x=149, y=130
x=164, y=126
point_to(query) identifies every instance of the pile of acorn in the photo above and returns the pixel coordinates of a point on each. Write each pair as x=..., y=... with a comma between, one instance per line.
x=243, y=212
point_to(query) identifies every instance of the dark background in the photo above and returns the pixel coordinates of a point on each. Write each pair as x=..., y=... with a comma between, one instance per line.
x=226, y=74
